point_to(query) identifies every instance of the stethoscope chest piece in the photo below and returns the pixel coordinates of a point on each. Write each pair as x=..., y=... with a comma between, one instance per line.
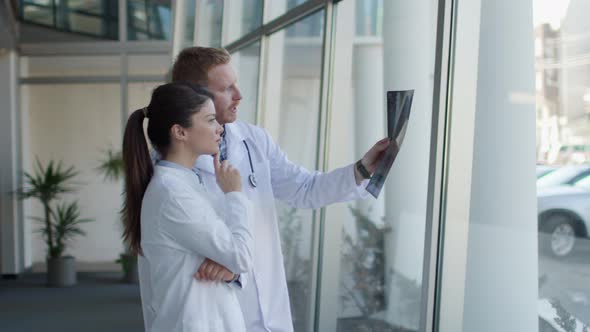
x=252, y=180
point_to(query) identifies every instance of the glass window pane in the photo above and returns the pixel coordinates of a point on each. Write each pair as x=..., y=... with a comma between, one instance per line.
x=244, y=16
x=42, y=66
x=40, y=12
x=279, y=7
x=369, y=17
x=246, y=62
x=563, y=141
x=149, y=19
x=292, y=99
x=96, y=18
x=380, y=251
x=209, y=18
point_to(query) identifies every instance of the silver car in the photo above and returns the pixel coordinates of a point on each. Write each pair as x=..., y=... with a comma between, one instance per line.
x=566, y=175
x=564, y=215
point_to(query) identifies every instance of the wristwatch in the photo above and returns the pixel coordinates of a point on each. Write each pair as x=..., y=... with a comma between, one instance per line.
x=362, y=170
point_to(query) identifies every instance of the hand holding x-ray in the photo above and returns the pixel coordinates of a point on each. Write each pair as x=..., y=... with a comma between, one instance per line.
x=399, y=104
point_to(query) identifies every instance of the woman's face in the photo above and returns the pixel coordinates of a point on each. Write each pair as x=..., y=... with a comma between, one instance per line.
x=205, y=133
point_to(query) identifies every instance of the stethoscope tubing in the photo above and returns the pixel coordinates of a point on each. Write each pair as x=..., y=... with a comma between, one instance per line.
x=252, y=177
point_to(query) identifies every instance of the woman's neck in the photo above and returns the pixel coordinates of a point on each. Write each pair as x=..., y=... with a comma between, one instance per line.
x=184, y=159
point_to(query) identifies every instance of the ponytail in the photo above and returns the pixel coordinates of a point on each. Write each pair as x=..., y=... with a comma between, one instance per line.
x=138, y=172
x=172, y=103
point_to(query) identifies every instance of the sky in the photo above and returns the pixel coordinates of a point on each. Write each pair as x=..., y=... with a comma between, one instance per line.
x=549, y=11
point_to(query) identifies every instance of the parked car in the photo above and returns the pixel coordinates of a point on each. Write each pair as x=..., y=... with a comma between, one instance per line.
x=543, y=170
x=566, y=175
x=563, y=216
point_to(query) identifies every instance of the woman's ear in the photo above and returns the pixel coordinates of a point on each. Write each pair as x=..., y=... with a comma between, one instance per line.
x=178, y=133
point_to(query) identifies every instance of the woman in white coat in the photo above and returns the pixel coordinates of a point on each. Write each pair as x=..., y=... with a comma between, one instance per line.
x=169, y=220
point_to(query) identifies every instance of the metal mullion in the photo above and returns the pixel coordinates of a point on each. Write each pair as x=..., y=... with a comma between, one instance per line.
x=319, y=227
x=124, y=68
x=433, y=231
x=178, y=27
x=293, y=15
x=225, y=22
x=54, y=10
x=262, y=70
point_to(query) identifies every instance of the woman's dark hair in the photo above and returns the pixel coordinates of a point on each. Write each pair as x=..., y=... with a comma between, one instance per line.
x=172, y=103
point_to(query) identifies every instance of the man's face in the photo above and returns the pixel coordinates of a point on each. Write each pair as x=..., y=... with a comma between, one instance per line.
x=222, y=83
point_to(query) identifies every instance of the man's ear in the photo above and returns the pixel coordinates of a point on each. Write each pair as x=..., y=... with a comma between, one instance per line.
x=178, y=133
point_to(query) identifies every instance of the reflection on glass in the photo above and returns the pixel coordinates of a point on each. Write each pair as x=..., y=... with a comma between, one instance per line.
x=291, y=116
x=209, y=18
x=381, y=246
x=96, y=18
x=562, y=45
x=246, y=63
x=280, y=7
x=149, y=19
x=188, y=15
x=369, y=17
x=244, y=16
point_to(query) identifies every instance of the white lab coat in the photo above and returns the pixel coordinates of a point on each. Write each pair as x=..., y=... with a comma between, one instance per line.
x=179, y=228
x=264, y=299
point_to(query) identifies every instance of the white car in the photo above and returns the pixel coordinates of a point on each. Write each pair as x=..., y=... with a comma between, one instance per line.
x=566, y=175
x=543, y=170
x=563, y=216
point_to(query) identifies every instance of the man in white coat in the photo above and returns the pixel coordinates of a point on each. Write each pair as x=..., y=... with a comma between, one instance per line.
x=267, y=175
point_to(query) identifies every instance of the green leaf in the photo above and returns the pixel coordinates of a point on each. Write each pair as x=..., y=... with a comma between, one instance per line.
x=47, y=183
x=67, y=222
x=111, y=167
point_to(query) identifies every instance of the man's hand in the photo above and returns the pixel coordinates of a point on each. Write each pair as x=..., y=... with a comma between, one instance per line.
x=211, y=271
x=372, y=158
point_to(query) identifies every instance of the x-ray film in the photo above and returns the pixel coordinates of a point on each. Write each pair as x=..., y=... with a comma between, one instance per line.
x=399, y=104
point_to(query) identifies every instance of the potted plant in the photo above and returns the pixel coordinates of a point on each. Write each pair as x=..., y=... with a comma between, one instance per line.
x=60, y=222
x=111, y=167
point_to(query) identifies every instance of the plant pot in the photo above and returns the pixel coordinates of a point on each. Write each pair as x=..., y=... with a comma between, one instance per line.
x=61, y=271
x=130, y=271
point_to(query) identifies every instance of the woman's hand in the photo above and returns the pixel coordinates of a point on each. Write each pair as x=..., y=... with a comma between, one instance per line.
x=228, y=177
x=211, y=271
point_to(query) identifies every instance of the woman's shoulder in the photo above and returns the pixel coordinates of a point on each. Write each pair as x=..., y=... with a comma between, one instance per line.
x=168, y=180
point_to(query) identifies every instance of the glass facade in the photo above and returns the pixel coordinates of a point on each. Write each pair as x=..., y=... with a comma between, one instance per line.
x=463, y=236
x=147, y=19
x=365, y=282
x=380, y=285
x=247, y=65
x=97, y=18
x=291, y=116
x=243, y=16
x=562, y=94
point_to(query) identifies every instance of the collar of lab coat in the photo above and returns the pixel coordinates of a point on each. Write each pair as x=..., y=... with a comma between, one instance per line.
x=233, y=138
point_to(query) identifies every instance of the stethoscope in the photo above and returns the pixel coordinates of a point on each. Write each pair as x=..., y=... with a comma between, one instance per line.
x=251, y=177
